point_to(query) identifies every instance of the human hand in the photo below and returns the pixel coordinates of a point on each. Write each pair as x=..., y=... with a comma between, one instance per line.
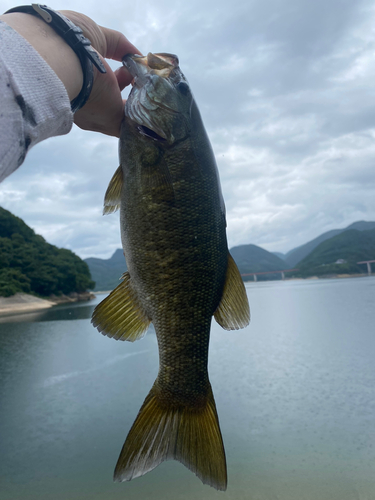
x=104, y=109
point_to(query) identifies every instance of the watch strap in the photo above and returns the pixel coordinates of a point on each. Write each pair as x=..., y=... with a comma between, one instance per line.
x=74, y=37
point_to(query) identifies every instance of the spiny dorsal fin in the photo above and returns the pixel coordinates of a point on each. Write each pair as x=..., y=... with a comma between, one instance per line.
x=233, y=312
x=161, y=432
x=120, y=315
x=112, y=198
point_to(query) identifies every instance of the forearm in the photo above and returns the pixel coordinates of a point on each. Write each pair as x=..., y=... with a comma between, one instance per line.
x=40, y=75
x=34, y=102
x=52, y=48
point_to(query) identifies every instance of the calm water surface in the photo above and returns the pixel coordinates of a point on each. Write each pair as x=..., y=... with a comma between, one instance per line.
x=295, y=393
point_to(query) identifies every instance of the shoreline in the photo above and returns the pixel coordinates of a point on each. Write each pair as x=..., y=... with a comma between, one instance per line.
x=323, y=277
x=22, y=303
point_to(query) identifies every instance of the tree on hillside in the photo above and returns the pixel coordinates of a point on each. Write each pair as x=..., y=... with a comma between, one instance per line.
x=350, y=246
x=29, y=264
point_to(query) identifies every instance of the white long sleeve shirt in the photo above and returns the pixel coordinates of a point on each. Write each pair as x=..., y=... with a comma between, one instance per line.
x=34, y=103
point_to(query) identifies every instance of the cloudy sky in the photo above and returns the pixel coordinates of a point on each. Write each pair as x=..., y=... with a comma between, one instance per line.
x=286, y=89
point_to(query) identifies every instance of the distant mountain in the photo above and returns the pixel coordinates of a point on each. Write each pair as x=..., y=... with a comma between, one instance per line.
x=249, y=258
x=361, y=225
x=31, y=265
x=254, y=259
x=294, y=256
x=107, y=272
x=348, y=248
x=280, y=255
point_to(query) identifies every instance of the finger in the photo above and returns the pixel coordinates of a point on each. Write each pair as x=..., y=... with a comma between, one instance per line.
x=117, y=45
x=124, y=78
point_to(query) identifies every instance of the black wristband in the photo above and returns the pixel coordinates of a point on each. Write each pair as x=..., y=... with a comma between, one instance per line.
x=73, y=36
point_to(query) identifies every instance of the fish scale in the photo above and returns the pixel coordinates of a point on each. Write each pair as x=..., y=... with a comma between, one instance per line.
x=180, y=272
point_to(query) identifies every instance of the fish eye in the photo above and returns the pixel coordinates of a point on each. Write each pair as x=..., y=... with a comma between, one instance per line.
x=183, y=88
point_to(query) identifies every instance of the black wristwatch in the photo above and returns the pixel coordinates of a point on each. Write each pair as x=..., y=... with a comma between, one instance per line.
x=73, y=36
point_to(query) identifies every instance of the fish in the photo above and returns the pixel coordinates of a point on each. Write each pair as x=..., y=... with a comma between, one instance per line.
x=180, y=272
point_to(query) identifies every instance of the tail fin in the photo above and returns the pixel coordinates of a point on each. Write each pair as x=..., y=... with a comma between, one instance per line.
x=188, y=435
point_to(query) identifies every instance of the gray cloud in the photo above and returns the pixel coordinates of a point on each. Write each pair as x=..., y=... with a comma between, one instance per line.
x=287, y=95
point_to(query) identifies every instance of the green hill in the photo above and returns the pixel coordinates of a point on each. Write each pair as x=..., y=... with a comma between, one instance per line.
x=351, y=246
x=297, y=254
x=254, y=259
x=29, y=264
x=249, y=259
x=280, y=255
x=107, y=272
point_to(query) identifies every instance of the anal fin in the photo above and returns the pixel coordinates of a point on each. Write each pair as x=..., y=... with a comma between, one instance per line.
x=120, y=315
x=233, y=312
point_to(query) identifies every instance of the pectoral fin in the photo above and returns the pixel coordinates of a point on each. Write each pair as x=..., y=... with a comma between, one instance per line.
x=158, y=182
x=112, y=198
x=233, y=312
x=121, y=315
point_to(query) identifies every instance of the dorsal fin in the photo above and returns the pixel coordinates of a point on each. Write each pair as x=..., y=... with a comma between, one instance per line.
x=112, y=198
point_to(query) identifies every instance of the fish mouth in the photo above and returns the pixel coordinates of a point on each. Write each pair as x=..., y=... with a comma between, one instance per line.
x=154, y=102
x=161, y=64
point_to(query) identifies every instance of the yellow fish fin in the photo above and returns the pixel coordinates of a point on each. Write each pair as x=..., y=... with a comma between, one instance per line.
x=233, y=312
x=120, y=315
x=112, y=198
x=172, y=432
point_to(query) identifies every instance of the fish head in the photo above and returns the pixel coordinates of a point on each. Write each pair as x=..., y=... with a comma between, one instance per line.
x=160, y=101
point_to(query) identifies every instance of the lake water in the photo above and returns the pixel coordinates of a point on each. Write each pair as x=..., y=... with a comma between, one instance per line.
x=295, y=392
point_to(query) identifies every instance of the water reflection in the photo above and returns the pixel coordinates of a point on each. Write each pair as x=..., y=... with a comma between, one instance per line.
x=61, y=312
x=295, y=394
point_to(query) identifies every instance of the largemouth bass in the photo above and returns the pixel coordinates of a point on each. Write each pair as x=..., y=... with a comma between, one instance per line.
x=180, y=272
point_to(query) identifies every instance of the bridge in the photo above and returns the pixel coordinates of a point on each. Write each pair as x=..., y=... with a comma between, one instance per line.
x=273, y=272
x=368, y=262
